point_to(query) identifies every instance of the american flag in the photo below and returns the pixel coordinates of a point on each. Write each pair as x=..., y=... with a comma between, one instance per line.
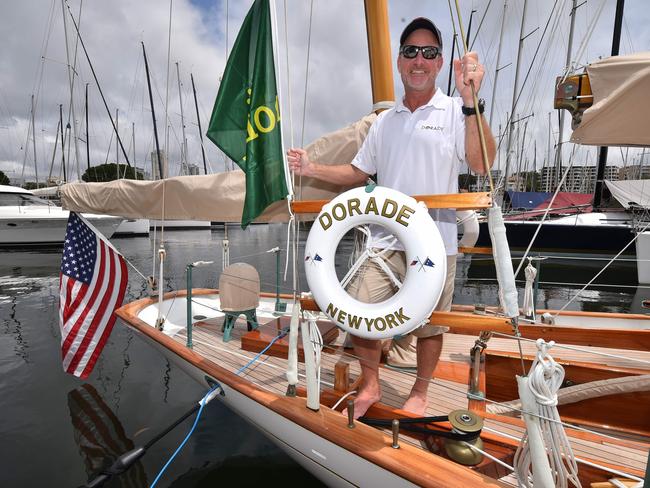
x=100, y=436
x=92, y=286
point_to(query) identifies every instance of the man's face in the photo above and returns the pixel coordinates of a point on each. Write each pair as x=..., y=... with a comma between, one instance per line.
x=419, y=74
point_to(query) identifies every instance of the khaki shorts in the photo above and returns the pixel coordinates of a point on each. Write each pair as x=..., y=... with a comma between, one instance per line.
x=372, y=285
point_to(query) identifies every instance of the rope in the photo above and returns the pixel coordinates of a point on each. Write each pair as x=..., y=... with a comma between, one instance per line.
x=580, y=460
x=431, y=380
x=575, y=348
x=539, y=226
x=286, y=48
x=206, y=399
x=343, y=398
x=479, y=123
x=488, y=455
x=544, y=380
x=234, y=353
x=203, y=402
x=528, y=305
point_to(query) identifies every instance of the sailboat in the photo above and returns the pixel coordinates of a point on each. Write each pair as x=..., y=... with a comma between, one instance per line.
x=27, y=220
x=252, y=363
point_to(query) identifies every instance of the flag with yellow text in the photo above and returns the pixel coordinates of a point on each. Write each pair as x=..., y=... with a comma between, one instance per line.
x=245, y=121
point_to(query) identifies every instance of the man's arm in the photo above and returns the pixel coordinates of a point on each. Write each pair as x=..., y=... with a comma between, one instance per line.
x=473, y=152
x=466, y=70
x=339, y=174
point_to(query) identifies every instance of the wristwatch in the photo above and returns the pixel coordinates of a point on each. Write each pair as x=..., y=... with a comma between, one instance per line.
x=472, y=110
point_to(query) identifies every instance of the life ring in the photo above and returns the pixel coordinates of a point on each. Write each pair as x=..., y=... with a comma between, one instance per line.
x=468, y=220
x=426, y=260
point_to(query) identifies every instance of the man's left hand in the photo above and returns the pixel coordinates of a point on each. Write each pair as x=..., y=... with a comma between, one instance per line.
x=466, y=70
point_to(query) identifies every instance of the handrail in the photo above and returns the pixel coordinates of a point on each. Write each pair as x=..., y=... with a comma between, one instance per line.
x=459, y=201
x=473, y=324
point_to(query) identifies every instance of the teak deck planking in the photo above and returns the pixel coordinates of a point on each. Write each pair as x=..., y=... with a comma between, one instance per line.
x=444, y=395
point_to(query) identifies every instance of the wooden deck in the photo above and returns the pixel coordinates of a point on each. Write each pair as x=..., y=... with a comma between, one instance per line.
x=445, y=395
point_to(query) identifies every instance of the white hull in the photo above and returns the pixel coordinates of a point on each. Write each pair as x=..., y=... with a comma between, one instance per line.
x=327, y=461
x=319, y=441
x=133, y=227
x=180, y=224
x=26, y=220
x=34, y=226
x=643, y=257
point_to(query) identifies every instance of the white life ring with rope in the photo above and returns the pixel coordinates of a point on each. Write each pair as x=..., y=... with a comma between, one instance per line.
x=426, y=270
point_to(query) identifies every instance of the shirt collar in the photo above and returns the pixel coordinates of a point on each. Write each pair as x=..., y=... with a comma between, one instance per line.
x=435, y=102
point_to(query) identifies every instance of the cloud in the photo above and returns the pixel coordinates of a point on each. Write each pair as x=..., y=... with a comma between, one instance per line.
x=33, y=61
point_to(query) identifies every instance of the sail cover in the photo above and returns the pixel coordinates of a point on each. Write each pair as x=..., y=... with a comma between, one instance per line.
x=619, y=114
x=216, y=197
x=630, y=192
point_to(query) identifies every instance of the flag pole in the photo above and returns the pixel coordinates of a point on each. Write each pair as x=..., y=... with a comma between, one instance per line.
x=276, y=60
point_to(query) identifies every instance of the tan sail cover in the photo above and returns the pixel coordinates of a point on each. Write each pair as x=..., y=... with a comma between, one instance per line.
x=217, y=197
x=620, y=113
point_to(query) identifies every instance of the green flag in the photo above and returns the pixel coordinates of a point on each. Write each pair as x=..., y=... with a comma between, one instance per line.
x=245, y=121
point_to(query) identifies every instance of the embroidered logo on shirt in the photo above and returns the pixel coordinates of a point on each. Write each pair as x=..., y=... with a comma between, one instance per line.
x=432, y=127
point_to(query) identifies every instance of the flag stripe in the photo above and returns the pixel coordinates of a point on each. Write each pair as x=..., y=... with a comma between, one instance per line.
x=90, y=326
x=108, y=327
x=92, y=285
x=75, y=292
x=102, y=327
x=97, y=287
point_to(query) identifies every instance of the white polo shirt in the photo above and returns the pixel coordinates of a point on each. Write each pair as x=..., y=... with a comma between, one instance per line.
x=418, y=153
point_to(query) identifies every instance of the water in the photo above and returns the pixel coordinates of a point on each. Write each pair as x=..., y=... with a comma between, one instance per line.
x=57, y=430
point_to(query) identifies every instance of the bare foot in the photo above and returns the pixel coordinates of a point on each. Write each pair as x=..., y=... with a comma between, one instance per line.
x=416, y=403
x=364, y=400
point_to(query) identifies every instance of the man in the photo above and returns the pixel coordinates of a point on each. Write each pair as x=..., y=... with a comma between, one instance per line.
x=417, y=147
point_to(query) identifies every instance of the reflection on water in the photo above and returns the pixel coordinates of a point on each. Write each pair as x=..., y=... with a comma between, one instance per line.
x=100, y=436
x=53, y=442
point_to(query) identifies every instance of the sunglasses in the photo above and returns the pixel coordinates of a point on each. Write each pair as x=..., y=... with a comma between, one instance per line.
x=428, y=52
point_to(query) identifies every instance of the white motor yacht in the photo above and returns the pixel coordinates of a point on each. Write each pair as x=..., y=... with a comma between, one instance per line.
x=27, y=220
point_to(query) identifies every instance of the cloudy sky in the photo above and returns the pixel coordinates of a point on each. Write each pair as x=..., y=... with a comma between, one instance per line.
x=329, y=92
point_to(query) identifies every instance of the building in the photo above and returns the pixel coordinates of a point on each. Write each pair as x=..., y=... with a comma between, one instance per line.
x=549, y=178
x=579, y=179
x=483, y=182
x=634, y=172
x=193, y=169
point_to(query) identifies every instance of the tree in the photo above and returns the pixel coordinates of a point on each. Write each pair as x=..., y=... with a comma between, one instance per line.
x=110, y=171
x=4, y=180
x=531, y=180
x=466, y=181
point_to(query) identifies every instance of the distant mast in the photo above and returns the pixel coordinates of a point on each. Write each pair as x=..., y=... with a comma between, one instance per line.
x=602, y=152
x=153, y=114
x=198, y=121
x=184, y=164
x=567, y=67
x=515, y=89
x=34, y=140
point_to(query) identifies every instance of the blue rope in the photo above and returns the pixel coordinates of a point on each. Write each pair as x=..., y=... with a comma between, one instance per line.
x=282, y=333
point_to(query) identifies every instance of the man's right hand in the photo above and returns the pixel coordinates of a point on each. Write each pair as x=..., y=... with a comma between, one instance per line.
x=299, y=162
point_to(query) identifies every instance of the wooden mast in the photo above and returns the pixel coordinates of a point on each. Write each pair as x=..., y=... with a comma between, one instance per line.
x=383, y=91
x=381, y=72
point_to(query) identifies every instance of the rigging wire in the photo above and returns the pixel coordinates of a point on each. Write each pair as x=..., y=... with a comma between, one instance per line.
x=208, y=397
x=440, y=383
x=604, y=268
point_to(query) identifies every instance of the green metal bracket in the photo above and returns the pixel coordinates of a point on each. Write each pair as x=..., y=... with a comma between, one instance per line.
x=280, y=307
